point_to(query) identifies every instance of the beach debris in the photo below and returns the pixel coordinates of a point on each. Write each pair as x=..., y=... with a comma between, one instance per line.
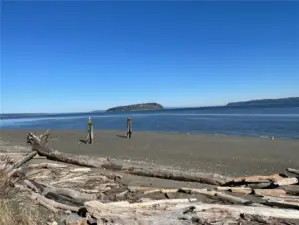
x=87, y=190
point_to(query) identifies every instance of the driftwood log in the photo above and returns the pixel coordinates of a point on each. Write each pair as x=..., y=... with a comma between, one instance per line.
x=153, y=213
x=211, y=193
x=50, y=203
x=269, y=192
x=24, y=160
x=286, y=181
x=256, y=181
x=291, y=170
x=241, y=190
x=118, y=165
x=285, y=202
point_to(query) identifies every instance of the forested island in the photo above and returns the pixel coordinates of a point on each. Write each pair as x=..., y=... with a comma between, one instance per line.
x=292, y=101
x=143, y=106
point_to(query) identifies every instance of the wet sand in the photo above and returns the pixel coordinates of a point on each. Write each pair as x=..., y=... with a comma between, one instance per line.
x=233, y=156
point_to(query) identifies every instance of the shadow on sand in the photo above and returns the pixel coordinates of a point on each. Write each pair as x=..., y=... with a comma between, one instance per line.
x=121, y=136
x=83, y=141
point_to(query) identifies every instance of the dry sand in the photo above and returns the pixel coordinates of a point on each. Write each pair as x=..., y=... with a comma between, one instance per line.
x=233, y=156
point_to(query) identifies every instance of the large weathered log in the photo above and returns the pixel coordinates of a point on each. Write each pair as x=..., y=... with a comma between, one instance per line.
x=52, y=203
x=65, y=199
x=124, y=213
x=79, y=179
x=46, y=166
x=155, y=202
x=24, y=160
x=70, y=193
x=176, y=175
x=60, y=194
x=44, y=203
x=219, y=195
x=247, y=210
x=282, y=202
x=119, y=165
x=259, y=179
x=67, y=158
x=207, y=192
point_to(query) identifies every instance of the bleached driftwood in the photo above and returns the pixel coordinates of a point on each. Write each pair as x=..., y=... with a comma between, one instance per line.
x=176, y=175
x=247, y=210
x=60, y=192
x=260, y=179
x=219, y=195
x=286, y=181
x=160, y=190
x=284, y=202
x=48, y=203
x=72, y=179
x=90, y=191
x=291, y=170
x=46, y=166
x=70, y=193
x=24, y=160
x=207, y=192
x=44, y=203
x=269, y=192
x=80, y=170
x=161, y=202
x=242, y=190
x=123, y=213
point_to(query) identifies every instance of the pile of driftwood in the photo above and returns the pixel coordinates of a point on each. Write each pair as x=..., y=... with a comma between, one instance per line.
x=98, y=196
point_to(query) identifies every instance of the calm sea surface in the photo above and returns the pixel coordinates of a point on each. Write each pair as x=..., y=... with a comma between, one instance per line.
x=260, y=122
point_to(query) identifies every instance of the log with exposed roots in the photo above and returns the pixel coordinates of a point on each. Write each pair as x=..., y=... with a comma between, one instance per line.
x=40, y=147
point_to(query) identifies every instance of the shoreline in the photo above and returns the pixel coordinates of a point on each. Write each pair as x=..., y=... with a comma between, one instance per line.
x=253, y=136
x=226, y=155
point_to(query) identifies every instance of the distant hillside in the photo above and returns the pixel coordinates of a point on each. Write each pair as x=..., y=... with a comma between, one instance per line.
x=267, y=102
x=144, y=106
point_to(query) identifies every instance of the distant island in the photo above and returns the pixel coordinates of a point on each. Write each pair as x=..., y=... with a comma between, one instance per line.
x=143, y=106
x=293, y=101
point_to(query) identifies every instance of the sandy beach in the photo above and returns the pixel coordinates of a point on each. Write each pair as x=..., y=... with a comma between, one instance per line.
x=233, y=156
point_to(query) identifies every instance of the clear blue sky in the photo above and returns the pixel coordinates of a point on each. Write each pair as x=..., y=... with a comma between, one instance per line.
x=66, y=56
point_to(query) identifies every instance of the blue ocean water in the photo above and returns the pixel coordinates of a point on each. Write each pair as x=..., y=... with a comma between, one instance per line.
x=280, y=122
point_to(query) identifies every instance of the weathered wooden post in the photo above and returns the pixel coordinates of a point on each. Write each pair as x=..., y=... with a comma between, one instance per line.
x=90, y=131
x=129, y=127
